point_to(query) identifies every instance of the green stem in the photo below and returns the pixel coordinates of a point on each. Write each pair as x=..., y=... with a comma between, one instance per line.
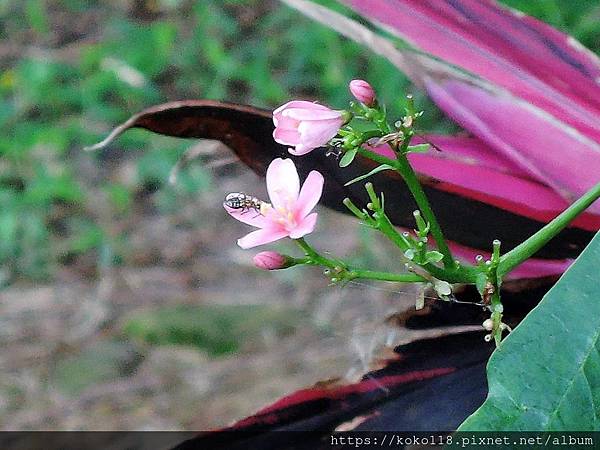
x=378, y=158
x=451, y=272
x=346, y=273
x=529, y=247
x=366, y=135
x=386, y=276
x=456, y=274
x=389, y=230
x=418, y=193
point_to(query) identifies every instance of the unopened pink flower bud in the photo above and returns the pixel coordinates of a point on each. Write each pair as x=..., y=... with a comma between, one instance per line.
x=363, y=92
x=306, y=126
x=270, y=261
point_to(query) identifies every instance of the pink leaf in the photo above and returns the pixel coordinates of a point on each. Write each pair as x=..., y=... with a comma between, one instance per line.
x=537, y=101
x=470, y=168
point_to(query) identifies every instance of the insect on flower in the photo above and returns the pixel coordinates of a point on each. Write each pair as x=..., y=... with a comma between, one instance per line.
x=289, y=212
x=245, y=203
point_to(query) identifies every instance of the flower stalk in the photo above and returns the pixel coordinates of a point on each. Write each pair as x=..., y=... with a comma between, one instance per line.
x=307, y=126
x=339, y=271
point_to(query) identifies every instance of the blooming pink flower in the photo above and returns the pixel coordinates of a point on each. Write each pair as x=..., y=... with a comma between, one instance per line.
x=305, y=125
x=270, y=261
x=288, y=214
x=363, y=92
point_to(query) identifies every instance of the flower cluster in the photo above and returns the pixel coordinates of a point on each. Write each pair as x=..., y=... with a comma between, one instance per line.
x=363, y=130
x=305, y=126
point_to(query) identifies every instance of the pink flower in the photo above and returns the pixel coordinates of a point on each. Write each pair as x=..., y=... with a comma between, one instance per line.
x=363, y=92
x=270, y=261
x=305, y=125
x=288, y=214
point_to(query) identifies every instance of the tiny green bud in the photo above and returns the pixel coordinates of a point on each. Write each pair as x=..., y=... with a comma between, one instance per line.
x=347, y=116
x=496, y=250
x=488, y=324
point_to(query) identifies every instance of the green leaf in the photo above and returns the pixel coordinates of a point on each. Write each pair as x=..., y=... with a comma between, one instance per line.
x=348, y=157
x=545, y=376
x=433, y=256
x=420, y=148
x=377, y=169
x=410, y=254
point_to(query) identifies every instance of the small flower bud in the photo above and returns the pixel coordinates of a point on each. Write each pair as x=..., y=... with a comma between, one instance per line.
x=270, y=261
x=306, y=126
x=488, y=325
x=363, y=92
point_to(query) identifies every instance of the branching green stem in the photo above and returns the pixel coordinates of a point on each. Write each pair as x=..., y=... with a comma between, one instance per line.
x=529, y=247
x=403, y=167
x=343, y=272
x=418, y=193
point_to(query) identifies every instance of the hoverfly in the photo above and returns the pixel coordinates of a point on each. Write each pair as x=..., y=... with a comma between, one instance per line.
x=245, y=202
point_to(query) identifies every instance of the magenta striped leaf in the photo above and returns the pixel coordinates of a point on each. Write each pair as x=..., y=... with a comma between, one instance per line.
x=530, y=92
x=470, y=168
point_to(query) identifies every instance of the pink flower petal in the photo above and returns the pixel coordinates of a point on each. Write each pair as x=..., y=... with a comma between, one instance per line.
x=311, y=114
x=302, y=104
x=316, y=134
x=310, y=193
x=306, y=226
x=305, y=125
x=285, y=123
x=250, y=217
x=283, y=183
x=285, y=136
x=260, y=237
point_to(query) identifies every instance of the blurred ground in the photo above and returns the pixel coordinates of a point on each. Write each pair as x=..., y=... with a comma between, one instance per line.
x=124, y=301
x=104, y=354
